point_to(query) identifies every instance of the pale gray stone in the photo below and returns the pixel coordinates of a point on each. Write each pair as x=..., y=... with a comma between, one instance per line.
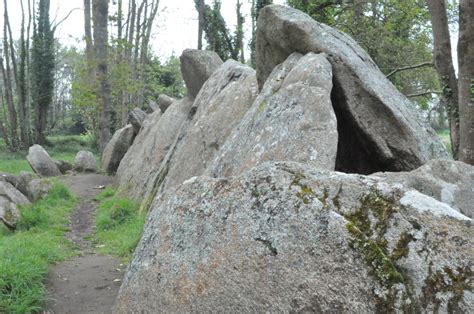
x=287, y=237
x=10, y=200
x=136, y=118
x=85, y=162
x=292, y=119
x=448, y=181
x=138, y=168
x=41, y=163
x=219, y=106
x=196, y=67
x=116, y=148
x=379, y=128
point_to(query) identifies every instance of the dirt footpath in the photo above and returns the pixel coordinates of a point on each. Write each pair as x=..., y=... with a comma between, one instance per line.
x=90, y=282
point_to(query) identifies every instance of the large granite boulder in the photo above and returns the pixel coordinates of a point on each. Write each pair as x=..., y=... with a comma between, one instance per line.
x=136, y=118
x=85, y=162
x=448, y=181
x=219, y=106
x=286, y=237
x=138, y=168
x=116, y=148
x=164, y=101
x=291, y=119
x=10, y=200
x=196, y=67
x=41, y=163
x=152, y=107
x=379, y=128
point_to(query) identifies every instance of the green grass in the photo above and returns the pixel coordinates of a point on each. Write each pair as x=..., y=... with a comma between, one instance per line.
x=27, y=253
x=445, y=138
x=61, y=148
x=119, y=225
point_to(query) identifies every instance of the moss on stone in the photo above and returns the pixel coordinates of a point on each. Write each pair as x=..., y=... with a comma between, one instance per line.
x=402, y=249
x=375, y=257
x=261, y=106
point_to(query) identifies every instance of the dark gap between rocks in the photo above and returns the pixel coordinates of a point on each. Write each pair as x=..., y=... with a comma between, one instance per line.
x=356, y=153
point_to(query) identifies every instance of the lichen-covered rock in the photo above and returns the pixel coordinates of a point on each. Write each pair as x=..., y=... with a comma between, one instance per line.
x=136, y=118
x=116, y=148
x=219, y=106
x=379, y=129
x=41, y=163
x=38, y=189
x=287, y=237
x=63, y=166
x=85, y=162
x=10, y=199
x=164, y=101
x=138, y=168
x=196, y=67
x=448, y=181
x=291, y=119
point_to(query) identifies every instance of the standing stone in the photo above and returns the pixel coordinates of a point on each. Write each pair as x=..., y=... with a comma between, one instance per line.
x=85, y=162
x=139, y=170
x=164, y=101
x=291, y=119
x=220, y=105
x=448, y=181
x=379, y=129
x=41, y=163
x=196, y=67
x=10, y=199
x=136, y=118
x=116, y=149
x=142, y=161
x=287, y=237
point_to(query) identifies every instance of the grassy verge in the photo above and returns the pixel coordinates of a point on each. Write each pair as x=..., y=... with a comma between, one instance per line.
x=445, y=139
x=119, y=225
x=26, y=254
x=62, y=147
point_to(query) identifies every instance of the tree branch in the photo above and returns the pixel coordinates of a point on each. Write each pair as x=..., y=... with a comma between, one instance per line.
x=410, y=67
x=65, y=18
x=425, y=93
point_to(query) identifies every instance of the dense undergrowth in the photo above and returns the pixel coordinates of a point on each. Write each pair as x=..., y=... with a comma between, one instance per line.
x=119, y=225
x=60, y=147
x=27, y=253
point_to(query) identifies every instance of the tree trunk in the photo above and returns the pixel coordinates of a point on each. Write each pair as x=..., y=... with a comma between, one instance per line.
x=444, y=65
x=240, y=31
x=100, y=17
x=23, y=85
x=201, y=9
x=88, y=35
x=466, y=80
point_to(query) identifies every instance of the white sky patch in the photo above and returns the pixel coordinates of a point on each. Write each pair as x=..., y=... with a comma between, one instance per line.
x=175, y=26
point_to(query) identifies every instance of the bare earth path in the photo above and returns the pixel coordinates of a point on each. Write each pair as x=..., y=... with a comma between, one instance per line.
x=86, y=283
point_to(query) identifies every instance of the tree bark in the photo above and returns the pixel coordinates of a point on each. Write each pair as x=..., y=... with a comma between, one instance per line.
x=100, y=10
x=466, y=80
x=444, y=65
x=7, y=81
x=201, y=9
x=240, y=31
